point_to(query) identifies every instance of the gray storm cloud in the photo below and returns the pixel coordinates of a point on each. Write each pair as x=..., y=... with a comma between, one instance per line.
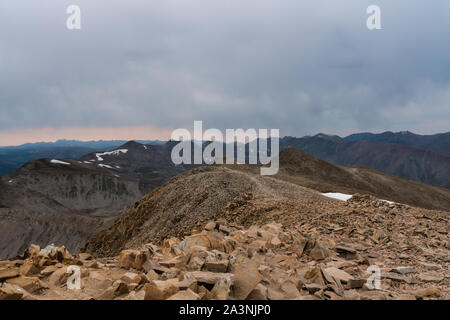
x=301, y=66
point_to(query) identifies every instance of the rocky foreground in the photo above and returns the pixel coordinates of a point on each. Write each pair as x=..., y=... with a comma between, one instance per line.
x=325, y=258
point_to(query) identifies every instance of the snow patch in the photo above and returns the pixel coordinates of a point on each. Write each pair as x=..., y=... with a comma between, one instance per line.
x=338, y=196
x=51, y=248
x=59, y=162
x=345, y=197
x=105, y=166
x=110, y=153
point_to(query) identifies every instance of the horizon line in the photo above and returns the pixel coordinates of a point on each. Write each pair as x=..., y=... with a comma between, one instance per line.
x=20, y=137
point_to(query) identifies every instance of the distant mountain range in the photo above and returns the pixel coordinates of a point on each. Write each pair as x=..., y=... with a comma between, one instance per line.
x=424, y=158
x=12, y=158
x=98, y=144
x=436, y=142
x=403, y=159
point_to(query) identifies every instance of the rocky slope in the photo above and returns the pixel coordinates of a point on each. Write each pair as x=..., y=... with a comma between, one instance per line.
x=225, y=232
x=60, y=202
x=27, y=216
x=321, y=256
x=301, y=168
x=76, y=185
x=189, y=200
x=65, y=201
x=194, y=197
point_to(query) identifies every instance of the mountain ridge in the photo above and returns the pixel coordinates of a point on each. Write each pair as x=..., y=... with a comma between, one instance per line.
x=428, y=166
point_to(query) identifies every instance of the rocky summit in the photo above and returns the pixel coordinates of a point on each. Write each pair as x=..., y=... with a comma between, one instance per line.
x=332, y=256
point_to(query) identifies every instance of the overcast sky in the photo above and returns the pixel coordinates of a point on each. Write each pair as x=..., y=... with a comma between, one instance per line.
x=146, y=67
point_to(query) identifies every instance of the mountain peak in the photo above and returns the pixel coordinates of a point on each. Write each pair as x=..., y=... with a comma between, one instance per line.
x=327, y=137
x=130, y=145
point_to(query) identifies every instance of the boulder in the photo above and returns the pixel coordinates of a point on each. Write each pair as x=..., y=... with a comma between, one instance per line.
x=405, y=297
x=127, y=258
x=210, y=277
x=119, y=288
x=259, y=293
x=171, y=273
x=430, y=277
x=225, y=229
x=141, y=258
x=29, y=268
x=30, y=284
x=275, y=242
x=273, y=228
x=373, y=295
x=184, y=282
x=313, y=287
x=174, y=262
x=318, y=252
x=107, y=294
x=196, y=263
x=59, y=277
x=185, y=295
x=152, y=275
x=159, y=290
x=9, y=273
x=290, y=290
x=216, y=266
x=345, y=249
x=85, y=256
x=131, y=277
x=48, y=270
x=403, y=270
x=355, y=283
x=313, y=275
x=97, y=281
x=260, y=246
x=210, y=226
x=273, y=294
x=203, y=240
x=427, y=292
x=32, y=251
x=337, y=274
x=222, y=289
x=246, y=277
x=155, y=266
x=91, y=264
x=10, y=292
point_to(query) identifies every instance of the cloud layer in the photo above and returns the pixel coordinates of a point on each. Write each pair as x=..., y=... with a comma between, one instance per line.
x=301, y=66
